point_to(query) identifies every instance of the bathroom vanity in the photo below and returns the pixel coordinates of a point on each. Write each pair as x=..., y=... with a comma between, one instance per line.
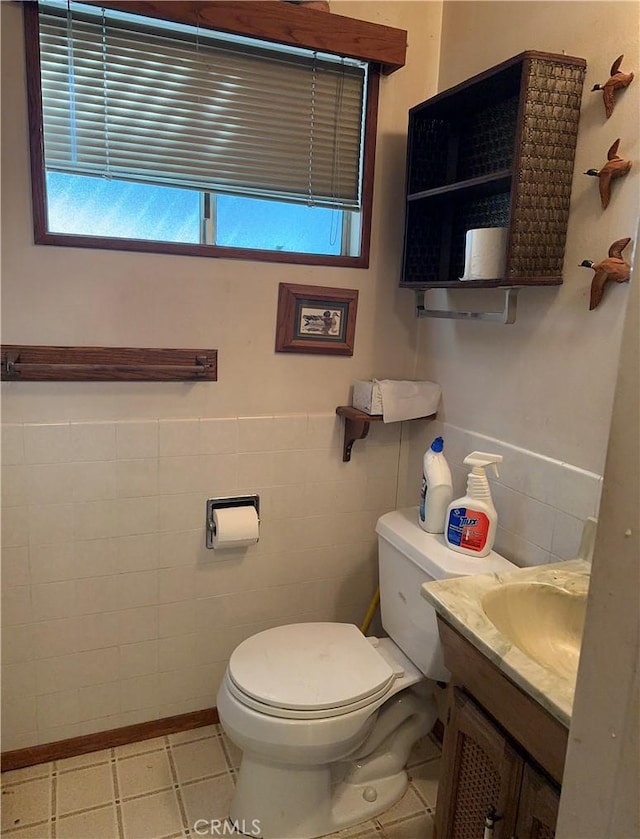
x=503, y=754
x=509, y=707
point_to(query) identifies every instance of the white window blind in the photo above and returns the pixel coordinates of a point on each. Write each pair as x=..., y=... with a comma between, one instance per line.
x=126, y=98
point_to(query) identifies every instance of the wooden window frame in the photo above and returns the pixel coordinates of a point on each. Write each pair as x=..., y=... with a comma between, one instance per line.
x=384, y=47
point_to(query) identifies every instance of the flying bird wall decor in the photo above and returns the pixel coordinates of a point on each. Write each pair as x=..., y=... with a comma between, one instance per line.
x=615, y=167
x=613, y=268
x=617, y=81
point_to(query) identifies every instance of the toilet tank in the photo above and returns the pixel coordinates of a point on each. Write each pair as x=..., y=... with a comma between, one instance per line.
x=407, y=558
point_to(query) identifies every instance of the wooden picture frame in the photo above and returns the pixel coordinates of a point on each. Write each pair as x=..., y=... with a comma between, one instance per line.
x=316, y=319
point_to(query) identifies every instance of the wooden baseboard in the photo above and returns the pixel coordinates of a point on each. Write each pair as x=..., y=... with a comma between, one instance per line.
x=19, y=758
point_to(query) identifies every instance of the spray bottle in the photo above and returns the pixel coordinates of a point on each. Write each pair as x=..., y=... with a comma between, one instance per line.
x=471, y=521
x=436, y=491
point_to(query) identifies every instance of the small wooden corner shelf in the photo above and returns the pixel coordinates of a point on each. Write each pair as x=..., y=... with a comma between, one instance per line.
x=356, y=426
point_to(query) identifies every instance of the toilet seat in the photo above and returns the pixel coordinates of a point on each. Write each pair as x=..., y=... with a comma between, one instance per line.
x=309, y=671
x=292, y=714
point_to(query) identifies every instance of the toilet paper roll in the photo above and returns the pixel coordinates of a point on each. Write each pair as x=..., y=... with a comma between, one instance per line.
x=235, y=527
x=485, y=254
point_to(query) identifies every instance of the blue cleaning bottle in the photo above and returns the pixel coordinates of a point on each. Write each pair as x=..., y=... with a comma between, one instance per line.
x=436, y=491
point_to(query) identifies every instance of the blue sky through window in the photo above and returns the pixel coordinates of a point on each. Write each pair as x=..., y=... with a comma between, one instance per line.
x=276, y=225
x=92, y=206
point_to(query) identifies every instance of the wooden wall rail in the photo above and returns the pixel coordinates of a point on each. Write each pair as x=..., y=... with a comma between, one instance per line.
x=26, y=363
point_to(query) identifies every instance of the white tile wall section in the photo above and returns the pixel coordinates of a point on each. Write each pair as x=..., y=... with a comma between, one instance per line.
x=114, y=612
x=541, y=502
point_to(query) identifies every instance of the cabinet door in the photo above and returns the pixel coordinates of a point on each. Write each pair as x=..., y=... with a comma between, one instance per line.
x=538, y=809
x=481, y=772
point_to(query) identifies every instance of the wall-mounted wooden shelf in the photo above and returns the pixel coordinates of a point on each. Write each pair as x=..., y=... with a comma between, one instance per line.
x=496, y=150
x=22, y=363
x=356, y=426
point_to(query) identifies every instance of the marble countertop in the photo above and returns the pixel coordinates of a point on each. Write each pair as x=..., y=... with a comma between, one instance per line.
x=458, y=601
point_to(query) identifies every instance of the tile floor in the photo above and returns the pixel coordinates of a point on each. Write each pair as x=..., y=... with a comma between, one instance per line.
x=157, y=789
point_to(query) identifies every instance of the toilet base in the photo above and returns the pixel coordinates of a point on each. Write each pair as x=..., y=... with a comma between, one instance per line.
x=284, y=801
x=306, y=805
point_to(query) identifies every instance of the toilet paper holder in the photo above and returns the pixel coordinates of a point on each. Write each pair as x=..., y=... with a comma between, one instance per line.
x=229, y=501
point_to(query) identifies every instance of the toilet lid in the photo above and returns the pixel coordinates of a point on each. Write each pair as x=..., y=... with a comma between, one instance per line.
x=309, y=666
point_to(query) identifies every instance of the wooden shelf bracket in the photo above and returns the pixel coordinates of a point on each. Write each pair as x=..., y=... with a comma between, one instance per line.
x=356, y=427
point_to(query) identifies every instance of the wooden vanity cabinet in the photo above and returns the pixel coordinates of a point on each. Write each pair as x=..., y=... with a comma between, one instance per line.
x=538, y=806
x=481, y=772
x=487, y=766
x=485, y=775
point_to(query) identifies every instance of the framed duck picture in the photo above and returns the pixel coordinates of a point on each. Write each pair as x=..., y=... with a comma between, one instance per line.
x=316, y=319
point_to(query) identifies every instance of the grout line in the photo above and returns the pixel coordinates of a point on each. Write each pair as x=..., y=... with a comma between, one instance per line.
x=54, y=804
x=226, y=753
x=151, y=751
x=190, y=781
x=116, y=793
x=63, y=771
x=402, y=819
x=7, y=783
x=147, y=792
x=102, y=806
x=421, y=797
x=14, y=831
x=177, y=786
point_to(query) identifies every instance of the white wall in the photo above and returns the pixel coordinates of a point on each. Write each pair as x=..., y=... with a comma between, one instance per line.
x=542, y=389
x=56, y=295
x=546, y=382
x=603, y=757
x=113, y=611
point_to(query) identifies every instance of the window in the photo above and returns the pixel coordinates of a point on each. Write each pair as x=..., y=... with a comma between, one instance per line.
x=171, y=137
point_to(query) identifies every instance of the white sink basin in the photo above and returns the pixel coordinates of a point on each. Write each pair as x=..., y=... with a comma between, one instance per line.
x=542, y=620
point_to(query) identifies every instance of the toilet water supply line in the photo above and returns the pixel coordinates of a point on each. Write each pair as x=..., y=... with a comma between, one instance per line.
x=366, y=623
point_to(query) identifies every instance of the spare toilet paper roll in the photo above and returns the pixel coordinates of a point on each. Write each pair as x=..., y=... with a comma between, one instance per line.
x=235, y=527
x=485, y=254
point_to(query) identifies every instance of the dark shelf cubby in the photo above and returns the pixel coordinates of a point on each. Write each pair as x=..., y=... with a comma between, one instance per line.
x=495, y=151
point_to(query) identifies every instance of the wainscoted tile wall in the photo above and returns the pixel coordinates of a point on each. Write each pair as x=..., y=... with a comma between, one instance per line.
x=541, y=502
x=114, y=612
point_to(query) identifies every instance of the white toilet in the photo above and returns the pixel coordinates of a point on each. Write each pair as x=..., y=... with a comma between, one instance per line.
x=325, y=717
